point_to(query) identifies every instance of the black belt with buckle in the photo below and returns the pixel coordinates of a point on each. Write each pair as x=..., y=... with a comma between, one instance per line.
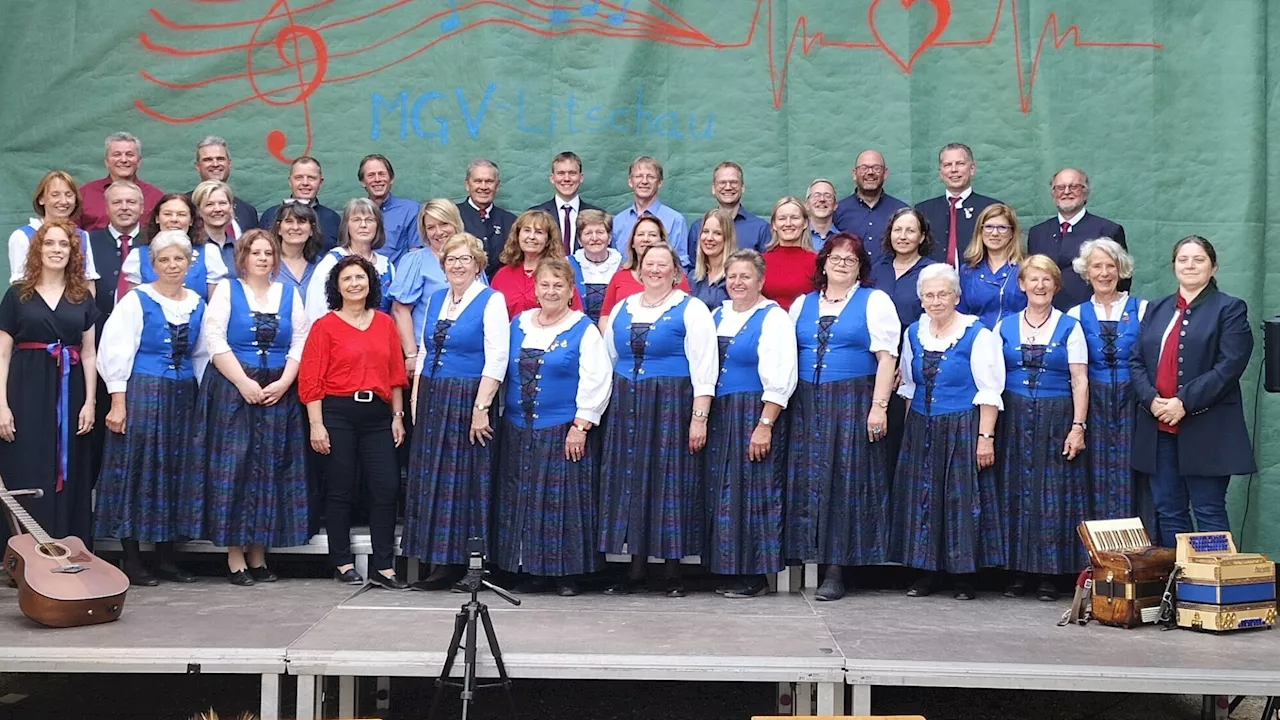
x=363, y=396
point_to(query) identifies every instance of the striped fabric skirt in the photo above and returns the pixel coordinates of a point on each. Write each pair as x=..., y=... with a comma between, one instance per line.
x=946, y=513
x=546, y=505
x=252, y=459
x=1113, y=491
x=837, y=479
x=651, y=496
x=450, y=480
x=1045, y=495
x=146, y=491
x=744, y=498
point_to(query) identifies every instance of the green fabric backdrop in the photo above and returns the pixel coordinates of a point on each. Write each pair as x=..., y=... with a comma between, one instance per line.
x=1167, y=104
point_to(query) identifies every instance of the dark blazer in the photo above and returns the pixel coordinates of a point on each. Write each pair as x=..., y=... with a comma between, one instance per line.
x=106, y=257
x=329, y=221
x=937, y=211
x=552, y=206
x=492, y=232
x=246, y=215
x=1047, y=239
x=1214, y=345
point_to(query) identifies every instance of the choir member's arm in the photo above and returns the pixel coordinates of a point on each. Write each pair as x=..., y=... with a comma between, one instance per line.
x=6, y=414
x=299, y=327
x=215, y=269
x=702, y=350
x=399, y=379
x=595, y=384
x=311, y=373
x=317, y=292
x=121, y=336
x=885, y=328
x=214, y=332
x=987, y=366
x=776, y=363
x=497, y=348
x=907, y=388
x=89, y=365
x=1078, y=365
x=1235, y=345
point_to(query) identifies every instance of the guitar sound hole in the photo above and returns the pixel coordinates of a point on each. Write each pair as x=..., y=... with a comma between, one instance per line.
x=52, y=550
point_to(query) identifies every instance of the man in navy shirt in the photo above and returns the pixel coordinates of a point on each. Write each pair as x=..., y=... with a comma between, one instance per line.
x=865, y=212
x=820, y=201
x=566, y=177
x=213, y=162
x=727, y=188
x=1060, y=237
x=953, y=214
x=305, y=179
x=399, y=215
x=480, y=216
x=644, y=177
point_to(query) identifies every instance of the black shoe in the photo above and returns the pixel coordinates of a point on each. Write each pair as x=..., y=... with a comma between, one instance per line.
x=626, y=586
x=350, y=577
x=262, y=574
x=726, y=586
x=438, y=581
x=140, y=576
x=675, y=588
x=241, y=578
x=830, y=589
x=531, y=585
x=174, y=573
x=749, y=588
x=1047, y=591
x=965, y=590
x=1018, y=588
x=567, y=587
x=925, y=586
x=387, y=583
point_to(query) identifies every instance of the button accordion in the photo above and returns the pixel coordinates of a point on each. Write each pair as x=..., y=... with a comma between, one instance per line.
x=1222, y=589
x=1128, y=574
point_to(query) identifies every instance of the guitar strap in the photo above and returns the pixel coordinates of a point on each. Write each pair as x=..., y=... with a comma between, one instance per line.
x=1081, y=610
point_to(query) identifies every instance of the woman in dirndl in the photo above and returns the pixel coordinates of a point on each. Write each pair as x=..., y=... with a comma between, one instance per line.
x=746, y=470
x=838, y=466
x=595, y=263
x=362, y=233
x=1038, y=444
x=249, y=444
x=663, y=346
x=176, y=212
x=462, y=359
x=151, y=358
x=560, y=380
x=946, y=506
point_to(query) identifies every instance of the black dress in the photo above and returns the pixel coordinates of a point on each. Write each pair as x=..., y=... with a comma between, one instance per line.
x=33, y=460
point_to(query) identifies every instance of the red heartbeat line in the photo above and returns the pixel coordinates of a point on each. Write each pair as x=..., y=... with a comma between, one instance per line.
x=301, y=51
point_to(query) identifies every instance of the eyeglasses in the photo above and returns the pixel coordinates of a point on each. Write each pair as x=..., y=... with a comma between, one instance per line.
x=458, y=260
x=869, y=168
x=822, y=196
x=996, y=229
x=728, y=183
x=364, y=221
x=940, y=295
x=842, y=260
x=1072, y=187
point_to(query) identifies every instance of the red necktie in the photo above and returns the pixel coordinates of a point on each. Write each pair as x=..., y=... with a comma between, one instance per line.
x=1167, y=368
x=484, y=215
x=568, y=231
x=122, y=283
x=1066, y=228
x=952, y=253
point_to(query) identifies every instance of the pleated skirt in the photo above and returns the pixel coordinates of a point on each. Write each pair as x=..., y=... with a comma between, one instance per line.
x=744, y=498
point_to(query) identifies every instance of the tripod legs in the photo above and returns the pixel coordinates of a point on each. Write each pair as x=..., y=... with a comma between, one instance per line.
x=503, y=678
x=466, y=622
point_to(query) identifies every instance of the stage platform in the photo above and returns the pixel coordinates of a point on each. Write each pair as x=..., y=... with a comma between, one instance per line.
x=316, y=628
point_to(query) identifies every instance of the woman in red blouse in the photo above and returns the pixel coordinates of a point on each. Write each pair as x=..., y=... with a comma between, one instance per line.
x=626, y=282
x=533, y=236
x=789, y=256
x=350, y=371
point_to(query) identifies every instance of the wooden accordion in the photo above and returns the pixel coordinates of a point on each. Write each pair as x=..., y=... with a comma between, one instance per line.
x=1129, y=575
x=1221, y=589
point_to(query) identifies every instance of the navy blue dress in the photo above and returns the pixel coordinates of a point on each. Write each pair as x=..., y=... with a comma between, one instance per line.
x=990, y=294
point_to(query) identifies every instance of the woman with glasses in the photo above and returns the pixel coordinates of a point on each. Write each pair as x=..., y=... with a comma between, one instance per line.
x=838, y=468
x=989, y=275
x=361, y=233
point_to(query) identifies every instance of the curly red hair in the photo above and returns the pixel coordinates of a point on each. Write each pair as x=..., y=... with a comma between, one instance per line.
x=77, y=287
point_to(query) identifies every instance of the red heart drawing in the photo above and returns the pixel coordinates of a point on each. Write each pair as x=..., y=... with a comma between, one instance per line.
x=942, y=10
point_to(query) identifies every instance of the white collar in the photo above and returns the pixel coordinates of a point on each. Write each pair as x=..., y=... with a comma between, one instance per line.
x=574, y=202
x=727, y=306
x=116, y=233
x=477, y=208
x=963, y=196
x=1073, y=220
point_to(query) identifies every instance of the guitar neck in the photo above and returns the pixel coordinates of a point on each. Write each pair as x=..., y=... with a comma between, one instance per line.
x=24, y=518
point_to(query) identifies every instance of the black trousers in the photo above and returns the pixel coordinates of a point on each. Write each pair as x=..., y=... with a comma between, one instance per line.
x=360, y=448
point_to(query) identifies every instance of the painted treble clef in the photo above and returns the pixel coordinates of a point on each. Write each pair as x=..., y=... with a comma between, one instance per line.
x=298, y=47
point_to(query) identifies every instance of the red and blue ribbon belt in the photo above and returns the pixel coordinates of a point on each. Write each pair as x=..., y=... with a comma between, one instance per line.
x=66, y=356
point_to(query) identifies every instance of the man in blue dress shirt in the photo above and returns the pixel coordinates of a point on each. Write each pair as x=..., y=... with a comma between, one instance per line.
x=959, y=202
x=480, y=215
x=1060, y=237
x=820, y=201
x=305, y=179
x=727, y=187
x=865, y=212
x=566, y=177
x=399, y=215
x=213, y=162
x=644, y=177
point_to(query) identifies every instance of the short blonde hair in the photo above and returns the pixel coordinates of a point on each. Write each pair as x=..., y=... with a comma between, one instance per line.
x=209, y=187
x=806, y=240
x=977, y=251
x=1044, y=264
x=471, y=244
x=1122, y=258
x=441, y=210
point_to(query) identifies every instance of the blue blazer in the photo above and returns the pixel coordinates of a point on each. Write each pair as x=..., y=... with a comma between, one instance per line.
x=938, y=212
x=1213, y=350
x=1047, y=239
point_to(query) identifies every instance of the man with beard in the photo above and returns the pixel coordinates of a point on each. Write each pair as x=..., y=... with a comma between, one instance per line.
x=1060, y=237
x=399, y=215
x=820, y=201
x=305, y=179
x=480, y=215
x=644, y=177
x=727, y=187
x=213, y=162
x=123, y=158
x=952, y=215
x=566, y=177
x=865, y=212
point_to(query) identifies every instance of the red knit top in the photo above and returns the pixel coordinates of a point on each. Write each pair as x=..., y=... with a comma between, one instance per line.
x=787, y=273
x=517, y=288
x=623, y=285
x=340, y=359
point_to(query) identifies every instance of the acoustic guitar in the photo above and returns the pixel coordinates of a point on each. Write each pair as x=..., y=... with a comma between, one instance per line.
x=60, y=583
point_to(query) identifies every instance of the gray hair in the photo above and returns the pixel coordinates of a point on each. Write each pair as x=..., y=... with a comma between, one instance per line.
x=362, y=206
x=1122, y=258
x=956, y=146
x=938, y=271
x=1083, y=175
x=212, y=141
x=746, y=255
x=809, y=190
x=166, y=239
x=123, y=185
x=482, y=162
x=122, y=136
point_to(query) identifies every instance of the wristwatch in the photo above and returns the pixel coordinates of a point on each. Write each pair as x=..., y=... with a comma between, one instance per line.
x=1082, y=425
x=766, y=421
x=701, y=413
x=398, y=413
x=481, y=407
x=580, y=428
x=987, y=436
x=880, y=403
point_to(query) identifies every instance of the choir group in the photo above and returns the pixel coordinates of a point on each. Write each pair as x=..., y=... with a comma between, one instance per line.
x=847, y=383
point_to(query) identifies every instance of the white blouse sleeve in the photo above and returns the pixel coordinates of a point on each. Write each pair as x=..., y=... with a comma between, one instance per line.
x=317, y=300
x=216, y=316
x=794, y=312
x=90, y=265
x=132, y=266
x=595, y=381
x=608, y=334
x=497, y=338
x=18, y=244
x=1142, y=309
x=299, y=324
x=121, y=336
x=908, y=387
x=883, y=323
x=1075, y=311
x=701, y=348
x=200, y=354
x=1077, y=347
x=777, y=356
x=986, y=362
x=214, y=268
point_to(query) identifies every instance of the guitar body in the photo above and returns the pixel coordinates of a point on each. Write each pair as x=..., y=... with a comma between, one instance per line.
x=53, y=597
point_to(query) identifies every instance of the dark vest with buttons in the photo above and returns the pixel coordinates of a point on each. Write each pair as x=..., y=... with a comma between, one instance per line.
x=841, y=351
x=553, y=390
x=260, y=339
x=165, y=349
x=664, y=354
x=740, y=354
x=1037, y=371
x=455, y=351
x=1110, y=341
x=944, y=381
